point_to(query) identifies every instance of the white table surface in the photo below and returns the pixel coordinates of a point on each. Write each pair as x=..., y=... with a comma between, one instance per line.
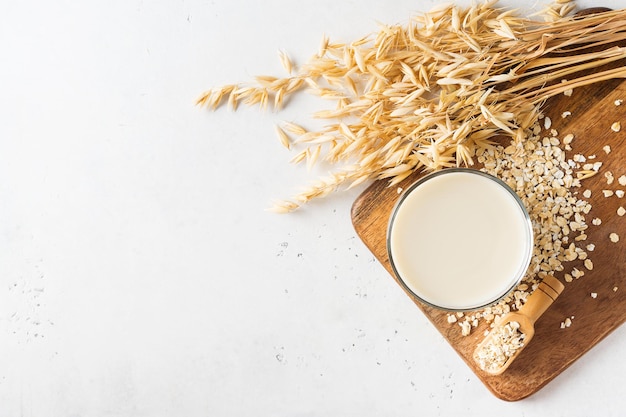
x=140, y=274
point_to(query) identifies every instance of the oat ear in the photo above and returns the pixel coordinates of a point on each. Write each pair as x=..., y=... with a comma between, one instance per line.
x=428, y=94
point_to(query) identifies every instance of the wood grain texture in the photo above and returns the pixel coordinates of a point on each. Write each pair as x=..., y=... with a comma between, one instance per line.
x=553, y=349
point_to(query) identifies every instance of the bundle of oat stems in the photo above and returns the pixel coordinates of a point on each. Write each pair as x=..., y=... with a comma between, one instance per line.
x=427, y=94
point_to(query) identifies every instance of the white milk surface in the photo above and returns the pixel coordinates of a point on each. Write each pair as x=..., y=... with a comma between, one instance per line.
x=460, y=240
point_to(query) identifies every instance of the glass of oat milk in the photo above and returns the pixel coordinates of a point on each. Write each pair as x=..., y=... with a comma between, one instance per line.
x=459, y=239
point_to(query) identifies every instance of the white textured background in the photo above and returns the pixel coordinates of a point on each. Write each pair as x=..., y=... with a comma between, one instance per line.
x=139, y=272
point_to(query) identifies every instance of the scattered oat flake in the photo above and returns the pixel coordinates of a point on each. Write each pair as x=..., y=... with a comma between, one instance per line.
x=399, y=190
x=596, y=221
x=607, y=193
x=588, y=264
x=587, y=193
x=594, y=295
x=618, y=102
x=466, y=328
x=621, y=211
x=619, y=193
x=567, y=139
x=622, y=180
x=616, y=127
x=591, y=247
x=568, y=92
x=609, y=177
x=566, y=114
x=566, y=323
x=547, y=122
x=615, y=289
x=607, y=149
x=614, y=237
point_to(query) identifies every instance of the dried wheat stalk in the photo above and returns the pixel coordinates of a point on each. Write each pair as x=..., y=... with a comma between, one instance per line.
x=427, y=94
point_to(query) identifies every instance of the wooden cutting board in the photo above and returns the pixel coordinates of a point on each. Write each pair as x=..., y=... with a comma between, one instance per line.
x=553, y=349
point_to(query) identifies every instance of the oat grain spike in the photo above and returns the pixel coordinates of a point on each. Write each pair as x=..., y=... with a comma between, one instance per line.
x=432, y=92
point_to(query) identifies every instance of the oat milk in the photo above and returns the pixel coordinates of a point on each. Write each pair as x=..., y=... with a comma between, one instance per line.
x=460, y=239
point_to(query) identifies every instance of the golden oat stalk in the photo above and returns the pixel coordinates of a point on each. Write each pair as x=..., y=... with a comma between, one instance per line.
x=427, y=94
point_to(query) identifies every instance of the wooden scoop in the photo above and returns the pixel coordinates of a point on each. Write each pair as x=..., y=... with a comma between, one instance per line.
x=492, y=346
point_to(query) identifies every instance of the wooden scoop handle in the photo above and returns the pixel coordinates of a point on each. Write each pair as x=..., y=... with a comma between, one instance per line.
x=539, y=301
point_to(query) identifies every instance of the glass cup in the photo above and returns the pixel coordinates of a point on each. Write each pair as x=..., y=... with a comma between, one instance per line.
x=459, y=239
